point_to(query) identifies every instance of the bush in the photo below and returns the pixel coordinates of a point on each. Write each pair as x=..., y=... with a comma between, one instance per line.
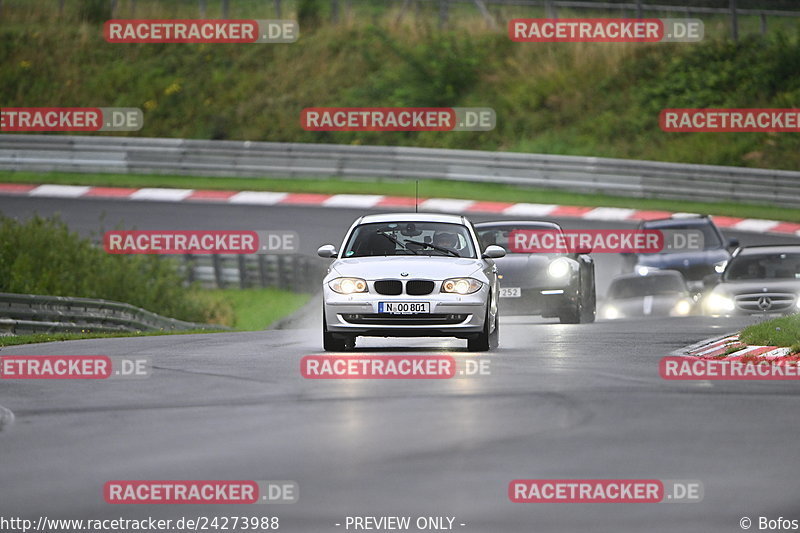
x=41, y=256
x=309, y=14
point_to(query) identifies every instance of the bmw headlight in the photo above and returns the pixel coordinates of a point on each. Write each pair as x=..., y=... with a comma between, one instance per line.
x=718, y=303
x=559, y=268
x=682, y=308
x=348, y=285
x=461, y=285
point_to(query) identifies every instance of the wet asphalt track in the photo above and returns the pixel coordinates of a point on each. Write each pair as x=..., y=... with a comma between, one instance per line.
x=563, y=401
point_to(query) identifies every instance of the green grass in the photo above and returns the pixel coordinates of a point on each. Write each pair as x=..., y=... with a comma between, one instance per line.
x=427, y=188
x=783, y=331
x=35, y=338
x=250, y=310
x=257, y=309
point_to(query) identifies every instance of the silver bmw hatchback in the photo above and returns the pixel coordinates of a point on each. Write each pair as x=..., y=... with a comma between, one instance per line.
x=410, y=275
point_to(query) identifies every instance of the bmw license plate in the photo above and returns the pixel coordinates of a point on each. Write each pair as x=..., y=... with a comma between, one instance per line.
x=510, y=292
x=404, y=308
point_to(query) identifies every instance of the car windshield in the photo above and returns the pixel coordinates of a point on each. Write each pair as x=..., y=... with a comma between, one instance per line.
x=711, y=238
x=764, y=266
x=410, y=238
x=646, y=286
x=503, y=235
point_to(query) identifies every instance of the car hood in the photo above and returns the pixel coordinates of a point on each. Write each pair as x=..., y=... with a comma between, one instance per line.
x=683, y=260
x=735, y=288
x=655, y=305
x=436, y=267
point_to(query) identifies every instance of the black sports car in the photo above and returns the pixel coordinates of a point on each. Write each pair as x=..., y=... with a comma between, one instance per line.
x=558, y=284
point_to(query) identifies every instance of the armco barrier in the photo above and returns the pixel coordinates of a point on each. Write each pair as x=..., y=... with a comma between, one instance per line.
x=28, y=313
x=641, y=179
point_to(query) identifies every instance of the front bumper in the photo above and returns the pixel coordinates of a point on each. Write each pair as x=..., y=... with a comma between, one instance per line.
x=533, y=302
x=451, y=315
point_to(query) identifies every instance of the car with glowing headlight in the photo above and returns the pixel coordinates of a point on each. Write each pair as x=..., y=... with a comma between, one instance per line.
x=411, y=275
x=758, y=280
x=695, y=265
x=551, y=284
x=660, y=293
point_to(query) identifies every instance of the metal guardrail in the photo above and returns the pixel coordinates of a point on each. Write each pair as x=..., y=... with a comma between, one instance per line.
x=296, y=273
x=641, y=179
x=28, y=313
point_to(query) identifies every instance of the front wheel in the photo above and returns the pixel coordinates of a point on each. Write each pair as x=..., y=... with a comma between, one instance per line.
x=333, y=343
x=585, y=308
x=486, y=341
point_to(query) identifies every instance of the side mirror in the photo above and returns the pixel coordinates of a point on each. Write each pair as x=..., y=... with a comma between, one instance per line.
x=494, y=252
x=733, y=243
x=710, y=280
x=327, y=251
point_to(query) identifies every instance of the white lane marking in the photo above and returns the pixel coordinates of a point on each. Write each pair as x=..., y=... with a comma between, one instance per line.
x=257, y=198
x=714, y=348
x=161, y=195
x=609, y=213
x=534, y=210
x=755, y=224
x=744, y=351
x=777, y=352
x=705, y=348
x=60, y=191
x=446, y=204
x=353, y=200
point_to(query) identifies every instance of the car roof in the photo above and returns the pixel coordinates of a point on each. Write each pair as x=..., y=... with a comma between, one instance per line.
x=698, y=220
x=520, y=223
x=412, y=217
x=767, y=249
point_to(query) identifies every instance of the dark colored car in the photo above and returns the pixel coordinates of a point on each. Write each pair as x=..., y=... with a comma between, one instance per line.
x=659, y=293
x=693, y=264
x=758, y=280
x=548, y=284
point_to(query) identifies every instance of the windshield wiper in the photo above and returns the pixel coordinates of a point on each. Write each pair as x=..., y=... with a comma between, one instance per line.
x=435, y=247
x=397, y=242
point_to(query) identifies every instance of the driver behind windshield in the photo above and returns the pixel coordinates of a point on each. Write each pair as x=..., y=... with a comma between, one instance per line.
x=446, y=240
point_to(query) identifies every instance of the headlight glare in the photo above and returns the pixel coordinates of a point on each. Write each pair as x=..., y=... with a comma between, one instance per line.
x=682, y=308
x=348, y=285
x=558, y=268
x=718, y=303
x=461, y=285
x=645, y=270
x=611, y=313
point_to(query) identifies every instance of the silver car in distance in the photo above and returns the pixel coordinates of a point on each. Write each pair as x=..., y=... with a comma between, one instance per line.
x=410, y=275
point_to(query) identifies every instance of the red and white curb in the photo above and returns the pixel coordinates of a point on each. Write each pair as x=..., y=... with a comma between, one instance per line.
x=730, y=348
x=375, y=201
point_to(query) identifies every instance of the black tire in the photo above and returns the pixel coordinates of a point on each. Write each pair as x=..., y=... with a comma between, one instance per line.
x=333, y=343
x=494, y=337
x=585, y=309
x=572, y=316
x=589, y=308
x=486, y=341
